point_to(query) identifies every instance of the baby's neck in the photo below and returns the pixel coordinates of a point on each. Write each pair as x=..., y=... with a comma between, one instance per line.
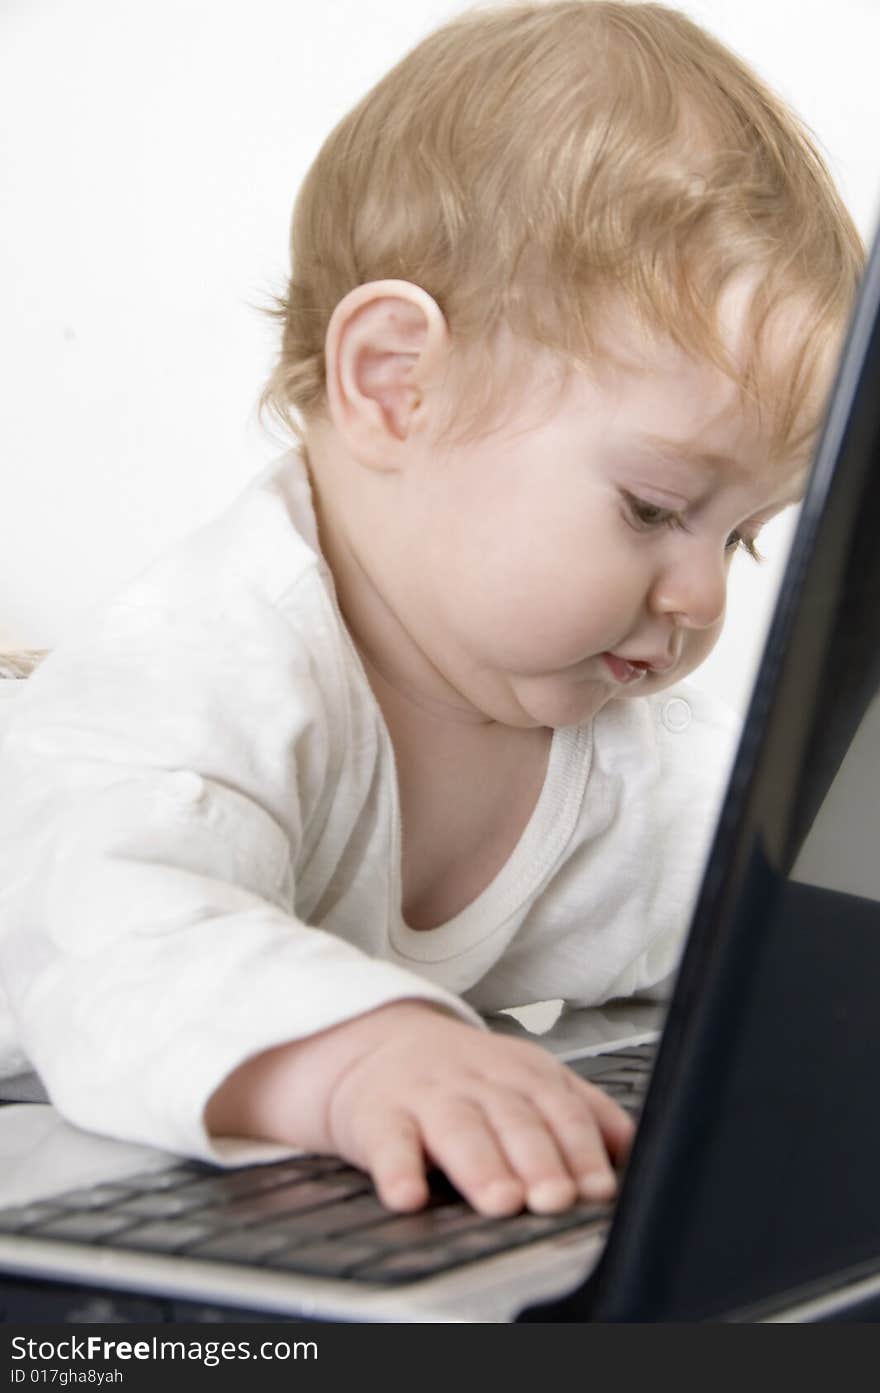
x=401, y=673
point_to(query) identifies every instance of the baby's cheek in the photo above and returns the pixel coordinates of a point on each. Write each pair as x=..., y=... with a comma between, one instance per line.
x=561, y=632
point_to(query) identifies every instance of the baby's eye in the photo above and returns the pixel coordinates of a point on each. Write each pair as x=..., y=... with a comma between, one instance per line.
x=650, y=514
x=736, y=539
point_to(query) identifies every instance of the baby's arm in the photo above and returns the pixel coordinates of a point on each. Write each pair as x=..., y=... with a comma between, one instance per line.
x=507, y=1123
x=156, y=792
x=149, y=949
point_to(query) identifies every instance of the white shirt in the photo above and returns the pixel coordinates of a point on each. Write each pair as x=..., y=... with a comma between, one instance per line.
x=200, y=838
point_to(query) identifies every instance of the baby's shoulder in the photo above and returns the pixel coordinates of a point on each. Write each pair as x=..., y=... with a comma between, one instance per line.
x=262, y=544
x=236, y=613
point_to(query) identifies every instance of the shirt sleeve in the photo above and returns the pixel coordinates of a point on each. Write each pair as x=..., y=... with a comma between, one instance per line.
x=147, y=940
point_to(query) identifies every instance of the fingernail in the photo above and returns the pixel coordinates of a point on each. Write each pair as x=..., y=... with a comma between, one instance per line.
x=549, y=1195
x=600, y=1185
x=502, y=1197
x=405, y=1194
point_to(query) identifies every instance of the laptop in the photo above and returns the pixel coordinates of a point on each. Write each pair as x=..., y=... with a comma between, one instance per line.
x=752, y=1191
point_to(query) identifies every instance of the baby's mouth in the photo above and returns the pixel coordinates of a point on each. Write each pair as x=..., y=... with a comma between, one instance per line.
x=622, y=670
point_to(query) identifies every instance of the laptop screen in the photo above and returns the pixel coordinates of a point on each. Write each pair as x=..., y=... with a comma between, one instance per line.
x=841, y=850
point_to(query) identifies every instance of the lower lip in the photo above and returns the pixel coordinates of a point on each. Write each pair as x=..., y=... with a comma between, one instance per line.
x=621, y=670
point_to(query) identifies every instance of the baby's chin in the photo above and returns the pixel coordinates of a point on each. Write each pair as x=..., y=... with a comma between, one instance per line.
x=560, y=699
x=557, y=700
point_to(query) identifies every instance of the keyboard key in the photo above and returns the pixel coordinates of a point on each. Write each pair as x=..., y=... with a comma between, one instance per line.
x=88, y=1226
x=424, y=1226
x=592, y=1067
x=168, y=1178
x=496, y=1236
x=162, y=1204
x=26, y=1216
x=608, y=1069
x=242, y=1245
x=625, y=1078
x=525, y=1228
x=343, y=1217
x=96, y=1197
x=255, y=1180
x=169, y=1236
x=410, y=1264
x=300, y=1168
x=294, y=1199
x=331, y=1259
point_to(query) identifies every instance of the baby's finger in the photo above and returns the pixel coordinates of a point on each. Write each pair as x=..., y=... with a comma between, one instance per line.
x=616, y=1126
x=531, y=1148
x=575, y=1125
x=392, y=1153
x=461, y=1141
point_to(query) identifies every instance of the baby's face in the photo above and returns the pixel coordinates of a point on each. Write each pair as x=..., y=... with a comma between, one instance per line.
x=580, y=553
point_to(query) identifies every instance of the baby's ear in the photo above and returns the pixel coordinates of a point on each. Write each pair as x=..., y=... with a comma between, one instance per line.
x=385, y=342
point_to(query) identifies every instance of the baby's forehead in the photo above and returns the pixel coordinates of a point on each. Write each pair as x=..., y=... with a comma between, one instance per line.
x=630, y=340
x=765, y=392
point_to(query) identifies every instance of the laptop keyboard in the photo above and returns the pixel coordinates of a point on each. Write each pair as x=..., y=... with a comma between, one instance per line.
x=314, y=1215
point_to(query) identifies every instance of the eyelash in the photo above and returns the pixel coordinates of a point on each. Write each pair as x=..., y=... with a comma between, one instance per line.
x=664, y=517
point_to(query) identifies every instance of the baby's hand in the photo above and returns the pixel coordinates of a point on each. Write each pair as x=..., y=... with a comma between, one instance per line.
x=409, y=1085
x=505, y=1121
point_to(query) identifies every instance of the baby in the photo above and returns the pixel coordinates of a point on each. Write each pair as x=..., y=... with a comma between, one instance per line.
x=401, y=737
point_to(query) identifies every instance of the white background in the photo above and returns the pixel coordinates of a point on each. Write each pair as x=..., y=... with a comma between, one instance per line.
x=149, y=158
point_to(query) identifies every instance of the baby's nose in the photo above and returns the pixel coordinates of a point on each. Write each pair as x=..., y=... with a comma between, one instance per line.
x=693, y=591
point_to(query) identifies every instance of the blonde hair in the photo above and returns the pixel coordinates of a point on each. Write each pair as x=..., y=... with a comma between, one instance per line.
x=20, y=662
x=526, y=163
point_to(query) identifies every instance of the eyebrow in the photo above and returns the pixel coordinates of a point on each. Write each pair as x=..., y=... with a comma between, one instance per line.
x=688, y=451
